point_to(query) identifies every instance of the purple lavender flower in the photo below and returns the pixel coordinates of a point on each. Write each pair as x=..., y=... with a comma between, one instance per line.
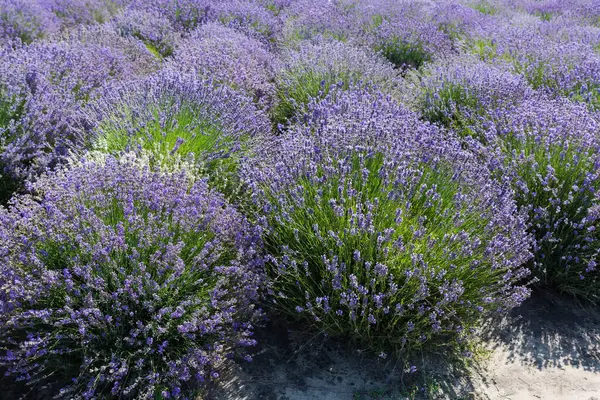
x=311, y=70
x=361, y=151
x=229, y=58
x=43, y=87
x=116, y=271
x=26, y=20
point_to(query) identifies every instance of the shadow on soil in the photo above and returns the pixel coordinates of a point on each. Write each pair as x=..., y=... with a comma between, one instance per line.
x=291, y=365
x=548, y=331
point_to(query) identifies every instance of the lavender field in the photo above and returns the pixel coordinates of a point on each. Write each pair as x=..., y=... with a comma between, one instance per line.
x=300, y=199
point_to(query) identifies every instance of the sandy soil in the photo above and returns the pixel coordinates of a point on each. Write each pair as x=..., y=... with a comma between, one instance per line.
x=547, y=349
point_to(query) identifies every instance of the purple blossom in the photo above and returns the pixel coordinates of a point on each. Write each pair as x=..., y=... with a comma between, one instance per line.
x=230, y=58
x=43, y=88
x=383, y=157
x=105, y=261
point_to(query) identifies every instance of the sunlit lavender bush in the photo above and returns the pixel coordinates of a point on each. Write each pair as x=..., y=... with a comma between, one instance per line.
x=25, y=20
x=460, y=94
x=230, y=58
x=153, y=29
x=409, y=43
x=173, y=116
x=121, y=282
x=250, y=17
x=383, y=230
x=551, y=64
x=315, y=19
x=139, y=57
x=88, y=12
x=42, y=89
x=550, y=150
x=310, y=72
x=461, y=22
x=404, y=33
x=184, y=14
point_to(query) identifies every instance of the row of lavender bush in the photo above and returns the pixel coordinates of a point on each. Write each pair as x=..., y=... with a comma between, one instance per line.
x=391, y=173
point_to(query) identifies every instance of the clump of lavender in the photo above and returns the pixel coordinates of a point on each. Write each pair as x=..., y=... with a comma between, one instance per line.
x=569, y=69
x=409, y=43
x=87, y=12
x=550, y=151
x=459, y=94
x=406, y=35
x=250, y=17
x=315, y=19
x=122, y=282
x=153, y=29
x=185, y=15
x=230, y=58
x=25, y=20
x=140, y=59
x=382, y=229
x=550, y=64
x=42, y=89
x=460, y=22
x=311, y=70
x=174, y=115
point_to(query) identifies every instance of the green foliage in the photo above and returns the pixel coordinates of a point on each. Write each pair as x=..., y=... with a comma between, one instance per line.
x=8, y=113
x=404, y=54
x=451, y=29
x=377, y=20
x=152, y=49
x=8, y=186
x=555, y=183
x=453, y=106
x=316, y=235
x=160, y=136
x=545, y=15
x=297, y=87
x=484, y=49
x=485, y=7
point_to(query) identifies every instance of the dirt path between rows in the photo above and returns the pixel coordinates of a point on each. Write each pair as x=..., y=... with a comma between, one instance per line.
x=547, y=349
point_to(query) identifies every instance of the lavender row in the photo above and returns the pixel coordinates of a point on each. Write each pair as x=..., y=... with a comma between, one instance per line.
x=389, y=173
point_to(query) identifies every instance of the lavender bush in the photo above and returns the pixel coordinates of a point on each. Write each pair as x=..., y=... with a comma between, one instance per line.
x=174, y=116
x=460, y=93
x=314, y=68
x=405, y=34
x=551, y=64
x=42, y=89
x=184, y=14
x=314, y=19
x=248, y=16
x=139, y=58
x=25, y=20
x=383, y=230
x=122, y=282
x=150, y=27
x=230, y=58
x=76, y=12
x=550, y=151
